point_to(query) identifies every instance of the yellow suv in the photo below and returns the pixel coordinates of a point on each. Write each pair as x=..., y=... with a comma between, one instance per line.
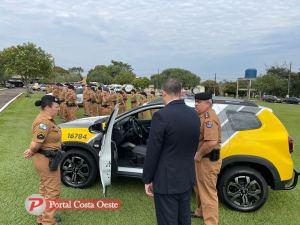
x=256, y=150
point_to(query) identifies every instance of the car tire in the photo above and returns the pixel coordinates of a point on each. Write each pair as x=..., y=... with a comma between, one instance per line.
x=243, y=189
x=78, y=169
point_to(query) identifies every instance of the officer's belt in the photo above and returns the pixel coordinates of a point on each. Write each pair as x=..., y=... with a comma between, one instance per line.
x=55, y=156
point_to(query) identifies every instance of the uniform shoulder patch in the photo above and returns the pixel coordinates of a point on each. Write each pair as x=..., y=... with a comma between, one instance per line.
x=40, y=136
x=43, y=126
x=209, y=124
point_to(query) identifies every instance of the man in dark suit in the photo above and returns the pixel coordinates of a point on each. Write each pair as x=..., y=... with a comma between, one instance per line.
x=169, y=169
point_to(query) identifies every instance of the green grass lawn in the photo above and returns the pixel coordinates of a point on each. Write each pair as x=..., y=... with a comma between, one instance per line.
x=19, y=180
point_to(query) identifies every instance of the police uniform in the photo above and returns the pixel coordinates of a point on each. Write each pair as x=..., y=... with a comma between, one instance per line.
x=122, y=99
x=152, y=97
x=206, y=170
x=143, y=99
x=48, y=134
x=93, y=103
x=55, y=91
x=134, y=101
x=63, y=107
x=48, y=89
x=85, y=101
x=112, y=101
x=99, y=101
x=71, y=103
x=105, y=104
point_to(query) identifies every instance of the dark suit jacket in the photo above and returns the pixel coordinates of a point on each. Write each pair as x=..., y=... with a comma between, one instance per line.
x=173, y=141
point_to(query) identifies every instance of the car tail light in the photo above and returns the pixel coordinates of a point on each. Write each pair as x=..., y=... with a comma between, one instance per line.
x=291, y=144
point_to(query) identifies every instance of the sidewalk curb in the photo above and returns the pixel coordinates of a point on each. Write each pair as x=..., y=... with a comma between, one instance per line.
x=2, y=89
x=8, y=103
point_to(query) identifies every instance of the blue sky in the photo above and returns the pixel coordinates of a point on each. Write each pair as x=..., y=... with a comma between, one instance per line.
x=217, y=36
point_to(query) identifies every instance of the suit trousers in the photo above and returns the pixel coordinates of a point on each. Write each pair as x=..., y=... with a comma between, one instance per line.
x=173, y=209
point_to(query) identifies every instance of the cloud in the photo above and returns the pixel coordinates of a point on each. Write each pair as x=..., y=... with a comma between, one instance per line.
x=153, y=33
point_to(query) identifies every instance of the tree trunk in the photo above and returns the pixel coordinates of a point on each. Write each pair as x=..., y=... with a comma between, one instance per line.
x=26, y=83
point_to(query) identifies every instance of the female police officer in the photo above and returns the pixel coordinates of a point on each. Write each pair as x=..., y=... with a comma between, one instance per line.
x=46, y=139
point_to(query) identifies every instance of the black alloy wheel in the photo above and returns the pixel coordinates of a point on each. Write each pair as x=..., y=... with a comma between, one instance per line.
x=243, y=189
x=78, y=169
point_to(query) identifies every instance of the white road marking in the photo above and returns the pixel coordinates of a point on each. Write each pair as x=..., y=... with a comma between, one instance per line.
x=8, y=103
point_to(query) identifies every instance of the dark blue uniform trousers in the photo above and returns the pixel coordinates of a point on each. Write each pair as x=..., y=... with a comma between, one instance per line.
x=173, y=209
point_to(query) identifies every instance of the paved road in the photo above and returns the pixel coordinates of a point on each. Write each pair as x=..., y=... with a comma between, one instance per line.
x=8, y=94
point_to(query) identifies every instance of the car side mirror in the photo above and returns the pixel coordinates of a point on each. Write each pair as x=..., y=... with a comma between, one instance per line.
x=98, y=127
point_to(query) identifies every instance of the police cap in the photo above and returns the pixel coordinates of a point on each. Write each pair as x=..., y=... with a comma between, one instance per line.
x=46, y=100
x=203, y=96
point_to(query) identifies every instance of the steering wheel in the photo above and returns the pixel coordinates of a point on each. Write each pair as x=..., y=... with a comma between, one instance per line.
x=137, y=127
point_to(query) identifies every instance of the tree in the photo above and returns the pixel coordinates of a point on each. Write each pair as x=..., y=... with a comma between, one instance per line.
x=99, y=74
x=124, y=78
x=228, y=87
x=60, y=70
x=141, y=82
x=116, y=67
x=61, y=75
x=187, y=78
x=28, y=61
x=211, y=86
x=295, y=84
x=3, y=76
x=270, y=84
x=280, y=71
x=76, y=71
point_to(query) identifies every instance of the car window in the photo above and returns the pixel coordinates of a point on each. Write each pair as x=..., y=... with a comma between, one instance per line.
x=147, y=114
x=240, y=120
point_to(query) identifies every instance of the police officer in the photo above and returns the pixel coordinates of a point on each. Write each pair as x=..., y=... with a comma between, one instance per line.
x=207, y=160
x=105, y=104
x=93, y=101
x=55, y=90
x=46, y=136
x=99, y=98
x=85, y=100
x=152, y=97
x=134, y=101
x=48, y=89
x=122, y=99
x=63, y=107
x=71, y=103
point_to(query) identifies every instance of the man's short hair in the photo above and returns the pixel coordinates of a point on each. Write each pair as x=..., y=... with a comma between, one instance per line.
x=172, y=87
